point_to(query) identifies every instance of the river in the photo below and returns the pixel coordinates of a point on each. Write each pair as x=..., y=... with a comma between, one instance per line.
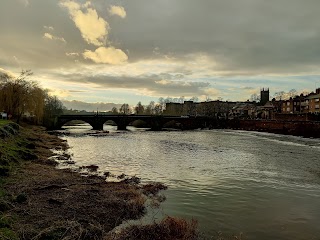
x=263, y=185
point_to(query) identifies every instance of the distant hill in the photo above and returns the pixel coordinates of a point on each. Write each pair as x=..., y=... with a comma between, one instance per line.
x=89, y=107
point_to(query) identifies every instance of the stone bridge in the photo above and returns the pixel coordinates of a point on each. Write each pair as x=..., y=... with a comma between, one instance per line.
x=155, y=122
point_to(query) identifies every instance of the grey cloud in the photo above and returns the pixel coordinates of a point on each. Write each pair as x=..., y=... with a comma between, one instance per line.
x=243, y=37
x=153, y=84
x=79, y=105
x=22, y=35
x=248, y=88
x=248, y=35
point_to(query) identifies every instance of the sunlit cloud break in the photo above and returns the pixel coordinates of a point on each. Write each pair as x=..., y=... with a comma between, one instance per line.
x=72, y=54
x=94, y=29
x=108, y=55
x=52, y=37
x=118, y=10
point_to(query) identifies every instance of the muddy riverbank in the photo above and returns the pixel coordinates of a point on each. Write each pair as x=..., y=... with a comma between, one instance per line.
x=39, y=201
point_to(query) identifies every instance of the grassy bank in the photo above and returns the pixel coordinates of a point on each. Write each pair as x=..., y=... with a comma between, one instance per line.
x=14, y=150
x=38, y=201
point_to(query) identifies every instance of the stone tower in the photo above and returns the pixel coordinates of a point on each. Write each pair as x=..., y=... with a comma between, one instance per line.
x=264, y=96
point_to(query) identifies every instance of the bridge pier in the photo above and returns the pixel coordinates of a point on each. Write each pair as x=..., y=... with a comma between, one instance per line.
x=122, y=123
x=156, y=124
x=97, y=126
x=122, y=127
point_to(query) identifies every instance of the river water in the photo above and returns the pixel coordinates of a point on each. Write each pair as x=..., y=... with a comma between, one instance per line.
x=263, y=185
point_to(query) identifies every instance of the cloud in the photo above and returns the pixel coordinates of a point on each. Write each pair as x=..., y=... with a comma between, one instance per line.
x=144, y=85
x=72, y=54
x=59, y=92
x=109, y=55
x=25, y=2
x=49, y=28
x=7, y=73
x=94, y=29
x=52, y=37
x=118, y=10
x=80, y=105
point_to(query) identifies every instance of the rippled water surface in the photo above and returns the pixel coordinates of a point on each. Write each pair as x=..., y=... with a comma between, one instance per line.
x=264, y=185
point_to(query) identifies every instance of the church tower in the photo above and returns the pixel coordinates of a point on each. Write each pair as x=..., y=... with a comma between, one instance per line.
x=264, y=96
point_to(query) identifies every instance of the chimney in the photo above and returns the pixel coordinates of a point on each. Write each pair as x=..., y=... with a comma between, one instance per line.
x=318, y=91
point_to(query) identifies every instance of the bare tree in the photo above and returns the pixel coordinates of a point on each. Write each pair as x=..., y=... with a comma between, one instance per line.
x=181, y=99
x=194, y=99
x=139, y=109
x=53, y=108
x=162, y=104
x=125, y=109
x=18, y=95
x=255, y=98
x=149, y=110
x=114, y=110
x=292, y=93
x=280, y=95
x=157, y=109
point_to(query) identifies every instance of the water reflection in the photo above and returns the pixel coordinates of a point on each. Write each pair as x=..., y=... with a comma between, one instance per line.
x=264, y=185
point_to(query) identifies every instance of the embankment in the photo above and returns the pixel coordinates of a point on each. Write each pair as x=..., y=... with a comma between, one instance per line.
x=296, y=128
x=38, y=201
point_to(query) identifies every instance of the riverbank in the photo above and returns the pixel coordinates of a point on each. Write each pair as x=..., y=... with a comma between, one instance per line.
x=39, y=201
x=295, y=128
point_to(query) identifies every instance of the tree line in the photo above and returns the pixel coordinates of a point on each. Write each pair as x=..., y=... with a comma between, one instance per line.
x=20, y=96
x=153, y=108
x=157, y=108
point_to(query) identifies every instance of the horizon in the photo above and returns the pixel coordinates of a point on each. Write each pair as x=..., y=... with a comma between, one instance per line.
x=125, y=52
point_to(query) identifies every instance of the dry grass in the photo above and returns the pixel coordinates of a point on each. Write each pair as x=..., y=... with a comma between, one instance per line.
x=60, y=204
x=58, y=198
x=153, y=188
x=169, y=228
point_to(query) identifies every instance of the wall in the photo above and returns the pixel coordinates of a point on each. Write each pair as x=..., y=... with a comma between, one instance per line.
x=297, y=128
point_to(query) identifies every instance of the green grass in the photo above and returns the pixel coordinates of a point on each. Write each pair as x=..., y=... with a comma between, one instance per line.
x=12, y=150
x=4, y=122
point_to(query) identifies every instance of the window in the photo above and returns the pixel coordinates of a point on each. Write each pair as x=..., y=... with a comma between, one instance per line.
x=284, y=109
x=316, y=100
x=288, y=109
x=288, y=103
x=317, y=106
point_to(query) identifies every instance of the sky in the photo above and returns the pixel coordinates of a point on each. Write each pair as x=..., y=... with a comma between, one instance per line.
x=126, y=51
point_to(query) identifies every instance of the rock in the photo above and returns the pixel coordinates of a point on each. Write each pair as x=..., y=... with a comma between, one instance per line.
x=92, y=168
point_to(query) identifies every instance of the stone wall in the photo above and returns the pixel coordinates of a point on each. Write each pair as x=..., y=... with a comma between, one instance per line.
x=297, y=128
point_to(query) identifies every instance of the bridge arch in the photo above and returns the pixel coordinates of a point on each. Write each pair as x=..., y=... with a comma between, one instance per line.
x=139, y=123
x=172, y=123
x=74, y=122
x=91, y=121
x=114, y=122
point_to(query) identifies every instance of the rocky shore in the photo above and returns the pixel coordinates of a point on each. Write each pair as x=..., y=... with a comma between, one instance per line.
x=39, y=201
